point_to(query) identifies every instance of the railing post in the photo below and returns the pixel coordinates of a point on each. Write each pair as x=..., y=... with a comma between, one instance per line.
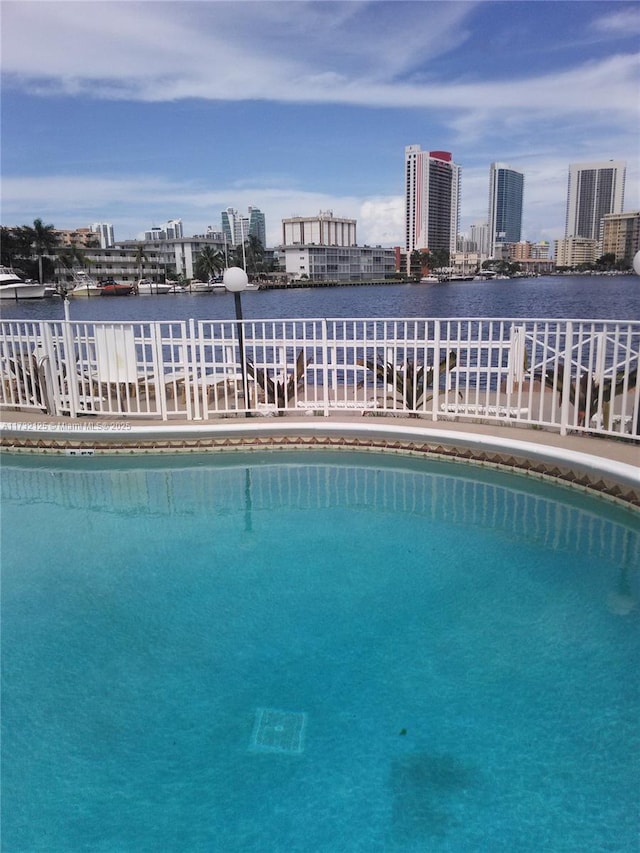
x=566, y=382
x=69, y=354
x=325, y=368
x=192, y=368
x=435, y=398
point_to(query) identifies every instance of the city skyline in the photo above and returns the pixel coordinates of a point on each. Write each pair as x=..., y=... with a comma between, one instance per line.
x=128, y=116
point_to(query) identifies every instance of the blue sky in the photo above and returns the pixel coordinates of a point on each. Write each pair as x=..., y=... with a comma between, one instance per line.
x=139, y=112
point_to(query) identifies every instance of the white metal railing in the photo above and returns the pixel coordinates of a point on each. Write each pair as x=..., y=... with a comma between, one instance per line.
x=568, y=375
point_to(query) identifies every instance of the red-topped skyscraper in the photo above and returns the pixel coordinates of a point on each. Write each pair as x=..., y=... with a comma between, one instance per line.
x=432, y=200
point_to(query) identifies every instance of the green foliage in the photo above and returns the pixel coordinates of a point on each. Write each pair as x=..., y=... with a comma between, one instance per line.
x=280, y=391
x=209, y=263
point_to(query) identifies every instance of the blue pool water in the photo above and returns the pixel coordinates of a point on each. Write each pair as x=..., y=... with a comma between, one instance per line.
x=336, y=652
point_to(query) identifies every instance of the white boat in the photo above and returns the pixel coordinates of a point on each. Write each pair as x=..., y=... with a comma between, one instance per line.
x=198, y=286
x=429, y=279
x=152, y=287
x=84, y=285
x=14, y=287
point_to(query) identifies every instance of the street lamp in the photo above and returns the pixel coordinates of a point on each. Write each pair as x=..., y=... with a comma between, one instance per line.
x=235, y=281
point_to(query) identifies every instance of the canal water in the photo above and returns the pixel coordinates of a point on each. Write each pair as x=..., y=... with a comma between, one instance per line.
x=548, y=297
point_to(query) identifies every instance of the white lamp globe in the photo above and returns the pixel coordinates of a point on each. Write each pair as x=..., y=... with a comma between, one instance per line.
x=636, y=263
x=235, y=279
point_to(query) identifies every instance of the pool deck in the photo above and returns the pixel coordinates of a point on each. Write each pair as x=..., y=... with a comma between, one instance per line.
x=609, y=466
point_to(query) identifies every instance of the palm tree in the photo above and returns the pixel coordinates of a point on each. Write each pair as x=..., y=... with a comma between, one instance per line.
x=208, y=263
x=140, y=256
x=255, y=254
x=42, y=239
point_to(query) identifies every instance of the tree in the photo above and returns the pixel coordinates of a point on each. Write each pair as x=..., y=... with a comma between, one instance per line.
x=72, y=255
x=208, y=263
x=140, y=256
x=42, y=239
x=255, y=254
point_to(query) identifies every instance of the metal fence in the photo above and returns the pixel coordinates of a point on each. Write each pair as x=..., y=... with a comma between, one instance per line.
x=568, y=375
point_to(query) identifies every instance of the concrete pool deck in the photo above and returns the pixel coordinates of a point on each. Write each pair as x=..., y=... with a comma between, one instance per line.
x=609, y=466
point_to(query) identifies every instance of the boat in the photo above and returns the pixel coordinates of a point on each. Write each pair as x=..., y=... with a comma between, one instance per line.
x=152, y=287
x=14, y=287
x=429, y=279
x=109, y=287
x=84, y=285
x=177, y=288
x=198, y=286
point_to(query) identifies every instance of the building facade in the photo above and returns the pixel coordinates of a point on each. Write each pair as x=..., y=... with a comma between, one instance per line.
x=162, y=258
x=574, y=251
x=235, y=227
x=432, y=200
x=621, y=235
x=479, y=238
x=506, y=188
x=594, y=189
x=325, y=229
x=104, y=233
x=79, y=237
x=339, y=263
x=257, y=226
x=171, y=230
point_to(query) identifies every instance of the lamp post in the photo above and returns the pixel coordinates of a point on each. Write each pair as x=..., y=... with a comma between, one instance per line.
x=235, y=281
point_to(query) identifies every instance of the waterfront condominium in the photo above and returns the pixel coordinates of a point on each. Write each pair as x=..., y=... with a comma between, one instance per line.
x=506, y=187
x=257, y=225
x=432, y=200
x=104, y=232
x=594, y=190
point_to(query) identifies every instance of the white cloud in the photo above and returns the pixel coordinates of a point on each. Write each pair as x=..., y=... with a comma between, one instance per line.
x=360, y=54
x=133, y=204
x=621, y=22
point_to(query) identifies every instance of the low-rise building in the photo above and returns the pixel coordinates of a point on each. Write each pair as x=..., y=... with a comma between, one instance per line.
x=339, y=263
x=574, y=251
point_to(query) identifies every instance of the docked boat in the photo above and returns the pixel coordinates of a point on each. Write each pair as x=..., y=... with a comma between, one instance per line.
x=198, y=286
x=84, y=285
x=152, y=287
x=115, y=288
x=14, y=287
x=429, y=279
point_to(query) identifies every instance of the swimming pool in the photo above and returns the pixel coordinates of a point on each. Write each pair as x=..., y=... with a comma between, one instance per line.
x=315, y=652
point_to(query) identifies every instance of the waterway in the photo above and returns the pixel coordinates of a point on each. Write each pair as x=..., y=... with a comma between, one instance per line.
x=547, y=297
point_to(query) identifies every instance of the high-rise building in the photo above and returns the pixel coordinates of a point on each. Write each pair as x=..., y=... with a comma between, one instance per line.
x=594, y=190
x=479, y=236
x=506, y=187
x=171, y=230
x=621, y=235
x=235, y=227
x=104, y=232
x=432, y=200
x=257, y=225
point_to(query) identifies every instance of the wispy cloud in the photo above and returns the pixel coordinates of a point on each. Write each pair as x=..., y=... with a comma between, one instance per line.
x=262, y=51
x=621, y=22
